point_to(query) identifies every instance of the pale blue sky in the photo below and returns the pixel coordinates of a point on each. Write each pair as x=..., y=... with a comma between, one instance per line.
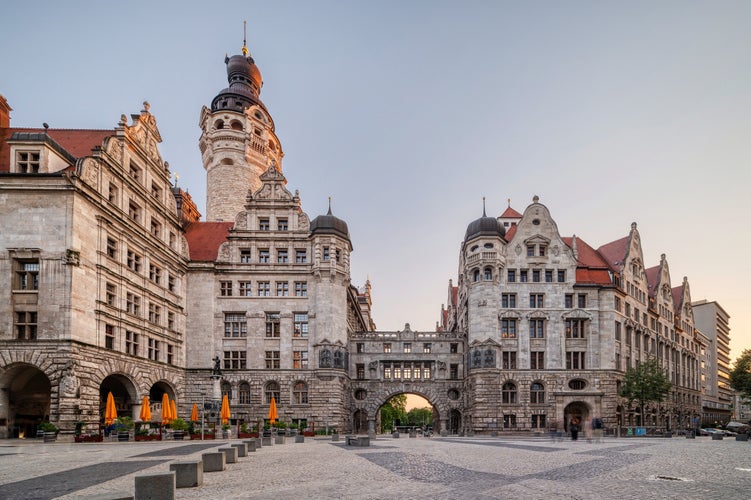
x=409, y=112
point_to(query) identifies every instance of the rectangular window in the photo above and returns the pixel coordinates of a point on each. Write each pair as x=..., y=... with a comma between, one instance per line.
x=417, y=372
x=111, y=248
x=301, y=256
x=508, y=300
x=153, y=349
x=427, y=347
x=282, y=289
x=272, y=324
x=548, y=275
x=509, y=360
x=509, y=421
x=387, y=347
x=134, y=211
x=272, y=360
x=360, y=347
x=453, y=348
x=300, y=360
x=26, y=325
x=133, y=304
x=281, y=224
x=407, y=347
x=27, y=275
x=112, y=194
x=109, y=336
x=263, y=224
x=264, y=256
x=155, y=274
x=398, y=372
x=225, y=288
x=27, y=162
x=538, y=421
x=134, y=172
x=426, y=372
x=617, y=304
x=408, y=372
x=235, y=360
x=156, y=228
x=582, y=300
x=360, y=371
x=453, y=371
x=282, y=256
x=264, y=289
x=170, y=354
x=386, y=371
x=235, y=325
x=301, y=325
x=542, y=249
x=568, y=301
x=170, y=321
x=575, y=328
x=537, y=360
x=535, y=275
x=511, y=276
x=561, y=276
x=508, y=328
x=134, y=261
x=301, y=288
x=574, y=360
x=246, y=289
x=155, y=313
x=326, y=254
x=245, y=256
x=523, y=276
x=536, y=300
x=171, y=283
x=155, y=191
x=530, y=250
x=111, y=294
x=537, y=328
x=131, y=343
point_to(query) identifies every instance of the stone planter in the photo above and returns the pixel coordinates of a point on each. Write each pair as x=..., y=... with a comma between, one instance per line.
x=148, y=437
x=741, y=437
x=205, y=436
x=395, y=434
x=123, y=436
x=50, y=437
x=88, y=438
x=279, y=439
x=716, y=437
x=178, y=435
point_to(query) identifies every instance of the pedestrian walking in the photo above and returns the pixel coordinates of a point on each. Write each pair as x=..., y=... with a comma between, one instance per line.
x=573, y=427
x=597, y=428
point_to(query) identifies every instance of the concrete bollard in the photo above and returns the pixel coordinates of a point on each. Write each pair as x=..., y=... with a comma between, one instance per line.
x=109, y=495
x=242, y=449
x=214, y=461
x=156, y=486
x=188, y=473
x=299, y=438
x=251, y=444
x=230, y=454
x=279, y=440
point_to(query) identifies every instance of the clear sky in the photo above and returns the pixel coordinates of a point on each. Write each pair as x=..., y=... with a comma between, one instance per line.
x=408, y=112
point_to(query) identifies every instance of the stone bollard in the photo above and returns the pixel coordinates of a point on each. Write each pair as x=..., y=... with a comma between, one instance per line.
x=214, y=461
x=251, y=444
x=395, y=434
x=155, y=486
x=242, y=449
x=299, y=438
x=109, y=495
x=230, y=454
x=335, y=437
x=279, y=440
x=716, y=437
x=188, y=473
x=268, y=441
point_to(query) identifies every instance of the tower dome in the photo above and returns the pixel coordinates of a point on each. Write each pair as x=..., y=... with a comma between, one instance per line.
x=329, y=224
x=484, y=226
x=245, y=84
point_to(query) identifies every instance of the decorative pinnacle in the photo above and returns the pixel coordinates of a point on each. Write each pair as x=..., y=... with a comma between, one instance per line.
x=483, y=207
x=329, y=213
x=245, y=48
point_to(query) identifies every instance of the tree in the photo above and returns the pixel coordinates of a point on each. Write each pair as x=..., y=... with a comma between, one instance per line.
x=420, y=416
x=740, y=376
x=394, y=412
x=646, y=383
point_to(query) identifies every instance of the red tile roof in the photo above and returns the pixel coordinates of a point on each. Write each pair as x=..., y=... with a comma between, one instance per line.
x=204, y=239
x=510, y=232
x=677, y=299
x=614, y=252
x=77, y=142
x=454, y=295
x=510, y=213
x=591, y=267
x=653, y=274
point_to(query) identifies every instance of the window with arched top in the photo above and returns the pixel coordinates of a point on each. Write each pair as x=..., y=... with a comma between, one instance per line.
x=219, y=124
x=300, y=393
x=536, y=393
x=236, y=125
x=272, y=390
x=476, y=275
x=508, y=393
x=227, y=390
x=487, y=274
x=243, y=393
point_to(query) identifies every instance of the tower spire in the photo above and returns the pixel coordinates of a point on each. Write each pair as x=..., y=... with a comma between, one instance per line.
x=329, y=213
x=245, y=47
x=483, y=207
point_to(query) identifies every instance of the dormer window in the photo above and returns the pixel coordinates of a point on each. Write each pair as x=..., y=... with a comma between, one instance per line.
x=27, y=162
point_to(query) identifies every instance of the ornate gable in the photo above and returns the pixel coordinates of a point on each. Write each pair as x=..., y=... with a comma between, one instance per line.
x=144, y=133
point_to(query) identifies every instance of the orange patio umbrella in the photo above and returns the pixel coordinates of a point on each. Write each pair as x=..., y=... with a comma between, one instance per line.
x=165, y=409
x=194, y=413
x=110, y=412
x=272, y=411
x=145, y=414
x=173, y=410
x=225, y=410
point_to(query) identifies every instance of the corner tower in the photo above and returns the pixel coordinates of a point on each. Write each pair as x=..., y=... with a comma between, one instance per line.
x=238, y=141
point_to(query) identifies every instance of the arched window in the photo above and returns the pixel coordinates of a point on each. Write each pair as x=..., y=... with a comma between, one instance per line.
x=300, y=393
x=272, y=390
x=236, y=125
x=537, y=393
x=508, y=393
x=488, y=274
x=219, y=124
x=243, y=393
x=227, y=390
x=476, y=275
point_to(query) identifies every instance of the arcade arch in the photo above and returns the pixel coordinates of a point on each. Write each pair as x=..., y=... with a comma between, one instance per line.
x=25, y=400
x=123, y=391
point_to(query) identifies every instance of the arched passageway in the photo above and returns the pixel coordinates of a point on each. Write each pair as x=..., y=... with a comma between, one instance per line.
x=124, y=393
x=25, y=397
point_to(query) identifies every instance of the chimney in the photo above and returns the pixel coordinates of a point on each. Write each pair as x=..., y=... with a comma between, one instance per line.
x=5, y=110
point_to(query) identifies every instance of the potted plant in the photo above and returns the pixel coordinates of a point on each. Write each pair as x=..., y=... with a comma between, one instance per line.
x=225, y=431
x=50, y=432
x=179, y=426
x=207, y=434
x=245, y=433
x=281, y=428
x=124, y=425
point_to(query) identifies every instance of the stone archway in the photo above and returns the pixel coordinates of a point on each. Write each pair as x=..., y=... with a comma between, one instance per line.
x=577, y=409
x=124, y=392
x=156, y=393
x=25, y=399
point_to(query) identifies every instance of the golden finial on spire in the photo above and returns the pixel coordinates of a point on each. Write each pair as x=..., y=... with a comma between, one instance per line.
x=245, y=48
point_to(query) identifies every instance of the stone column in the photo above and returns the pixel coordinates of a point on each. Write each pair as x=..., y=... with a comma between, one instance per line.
x=371, y=429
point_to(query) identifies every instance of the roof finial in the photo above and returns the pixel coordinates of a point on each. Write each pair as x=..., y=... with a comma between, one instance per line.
x=329, y=213
x=483, y=207
x=245, y=48
x=509, y=202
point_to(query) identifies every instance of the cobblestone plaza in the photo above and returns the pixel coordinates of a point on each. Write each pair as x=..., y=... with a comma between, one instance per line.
x=477, y=467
